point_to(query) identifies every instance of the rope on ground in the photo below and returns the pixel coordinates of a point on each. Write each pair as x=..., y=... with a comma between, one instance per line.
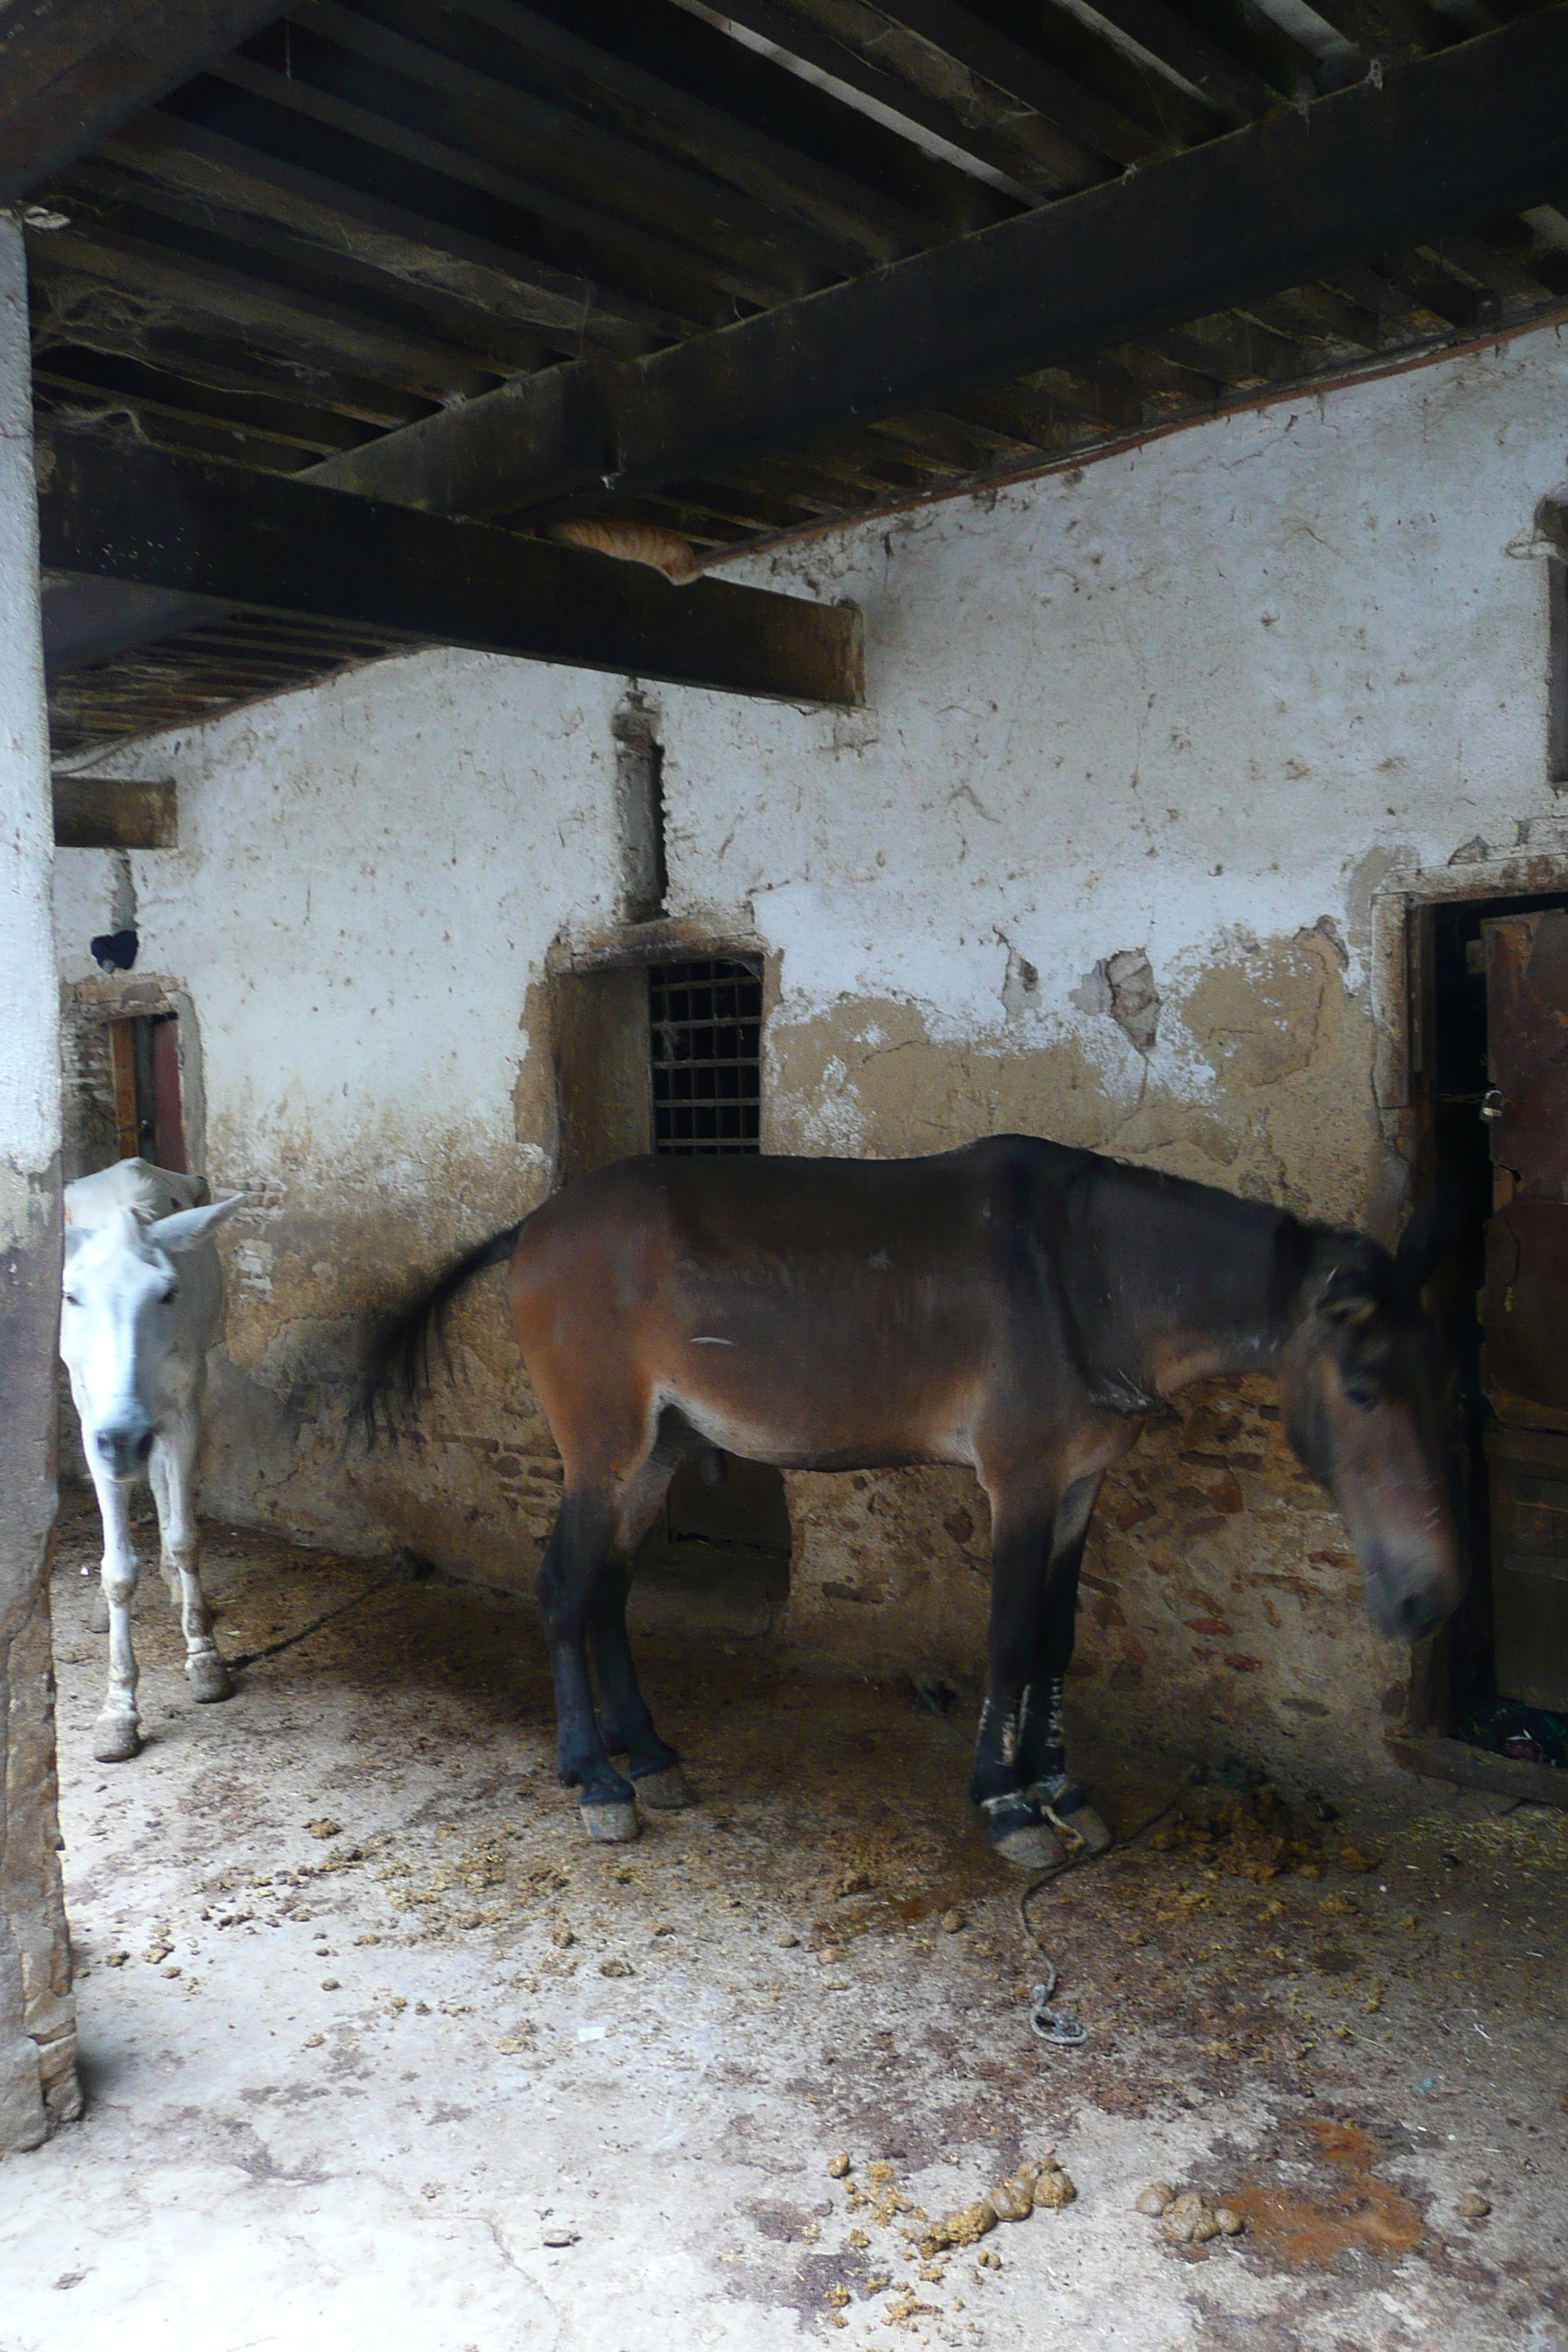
x=1058, y=2027
x=252, y=1657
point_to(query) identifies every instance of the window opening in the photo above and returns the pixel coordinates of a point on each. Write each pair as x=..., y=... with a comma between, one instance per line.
x=705, y=1034
x=149, y=1121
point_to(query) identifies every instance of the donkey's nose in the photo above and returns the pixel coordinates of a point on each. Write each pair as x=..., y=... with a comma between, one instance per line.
x=125, y=1447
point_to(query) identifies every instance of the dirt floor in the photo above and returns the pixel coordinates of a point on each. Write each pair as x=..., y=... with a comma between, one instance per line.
x=378, y=2052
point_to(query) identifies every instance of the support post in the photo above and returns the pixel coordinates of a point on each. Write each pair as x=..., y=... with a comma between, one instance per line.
x=38, y=2013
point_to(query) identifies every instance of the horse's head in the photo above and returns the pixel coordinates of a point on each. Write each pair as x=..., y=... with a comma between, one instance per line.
x=1360, y=1394
x=120, y=1327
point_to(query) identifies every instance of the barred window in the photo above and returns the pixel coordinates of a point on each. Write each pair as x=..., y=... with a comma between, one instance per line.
x=705, y=1035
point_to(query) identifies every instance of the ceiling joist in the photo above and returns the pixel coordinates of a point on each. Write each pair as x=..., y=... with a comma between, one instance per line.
x=293, y=548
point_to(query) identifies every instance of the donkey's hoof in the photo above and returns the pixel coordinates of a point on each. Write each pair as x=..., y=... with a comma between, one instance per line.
x=1030, y=1846
x=208, y=1677
x=669, y=1792
x=614, y=1824
x=116, y=1739
x=98, y=1615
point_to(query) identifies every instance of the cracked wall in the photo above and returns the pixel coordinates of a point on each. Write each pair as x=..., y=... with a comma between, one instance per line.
x=1098, y=861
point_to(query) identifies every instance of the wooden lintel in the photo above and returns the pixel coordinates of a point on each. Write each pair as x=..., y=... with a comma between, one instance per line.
x=271, y=545
x=116, y=812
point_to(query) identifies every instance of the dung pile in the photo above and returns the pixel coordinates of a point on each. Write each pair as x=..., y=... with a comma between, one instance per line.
x=1253, y=1834
x=1039, y=2186
x=1188, y=2220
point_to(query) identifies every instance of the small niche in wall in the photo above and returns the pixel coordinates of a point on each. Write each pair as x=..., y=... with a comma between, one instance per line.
x=148, y=1117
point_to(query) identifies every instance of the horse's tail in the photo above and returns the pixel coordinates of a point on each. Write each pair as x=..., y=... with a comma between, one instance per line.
x=397, y=1370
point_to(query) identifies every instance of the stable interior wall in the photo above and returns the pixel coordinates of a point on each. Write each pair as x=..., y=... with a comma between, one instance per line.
x=1150, y=749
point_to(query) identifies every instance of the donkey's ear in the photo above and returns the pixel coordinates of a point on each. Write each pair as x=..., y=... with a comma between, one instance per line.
x=186, y=1228
x=1424, y=1243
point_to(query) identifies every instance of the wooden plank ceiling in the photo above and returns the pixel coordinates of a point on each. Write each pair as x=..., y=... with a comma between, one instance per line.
x=378, y=216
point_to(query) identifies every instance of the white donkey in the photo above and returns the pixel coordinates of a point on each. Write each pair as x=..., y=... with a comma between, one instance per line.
x=143, y=1303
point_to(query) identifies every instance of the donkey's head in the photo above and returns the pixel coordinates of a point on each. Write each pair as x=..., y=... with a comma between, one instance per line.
x=1359, y=1387
x=122, y=1327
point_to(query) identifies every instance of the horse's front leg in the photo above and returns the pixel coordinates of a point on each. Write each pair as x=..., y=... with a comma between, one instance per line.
x=1042, y=1762
x=117, y=1733
x=574, y=1561
x=653, y=1764
x=1015, y=1826
x=173, y=1474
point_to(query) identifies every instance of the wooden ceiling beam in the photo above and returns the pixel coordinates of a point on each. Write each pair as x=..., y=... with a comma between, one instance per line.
x=1440, y=145
x=293, y=548
x=653, y=267
x=1034, y=159
x=1029, y=80
x=1475, y=131
x=398, y=239
x=71, y=70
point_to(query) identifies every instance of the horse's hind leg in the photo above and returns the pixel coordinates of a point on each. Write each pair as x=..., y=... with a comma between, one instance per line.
x=654, y=1766
x=117, y=1733
x=576, y=1560
x=173, y=1474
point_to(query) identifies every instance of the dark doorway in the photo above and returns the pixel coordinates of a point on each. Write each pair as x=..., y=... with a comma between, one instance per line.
x=1494, y=1090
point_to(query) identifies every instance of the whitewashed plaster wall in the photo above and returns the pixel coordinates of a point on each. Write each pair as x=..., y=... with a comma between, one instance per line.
x=1199, y=700
x=1190, y=699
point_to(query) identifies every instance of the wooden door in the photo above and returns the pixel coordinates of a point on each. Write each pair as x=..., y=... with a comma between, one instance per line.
x=1524, y=1308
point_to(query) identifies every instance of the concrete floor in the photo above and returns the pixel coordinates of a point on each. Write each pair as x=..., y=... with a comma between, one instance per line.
x=377, y=2053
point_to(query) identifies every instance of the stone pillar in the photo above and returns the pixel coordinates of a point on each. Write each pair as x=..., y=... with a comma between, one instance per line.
x=38, y=2014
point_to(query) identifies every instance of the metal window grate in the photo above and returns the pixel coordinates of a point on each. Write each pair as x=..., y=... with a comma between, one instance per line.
x=705, y=1033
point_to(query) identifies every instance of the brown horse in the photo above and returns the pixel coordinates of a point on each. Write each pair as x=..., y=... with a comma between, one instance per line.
x=1015, y=1305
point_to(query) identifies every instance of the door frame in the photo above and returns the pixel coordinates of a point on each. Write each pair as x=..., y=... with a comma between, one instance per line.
x=1401, y=997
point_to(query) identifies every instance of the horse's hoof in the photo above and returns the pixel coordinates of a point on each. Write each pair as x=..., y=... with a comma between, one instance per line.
x=116, y=1739
x=1083, y=1822
x=98, y=1615
x=1030, y=1846
x=1069, y=1810
x=208, y=1677
x=669, y=1792
x=614, y=1824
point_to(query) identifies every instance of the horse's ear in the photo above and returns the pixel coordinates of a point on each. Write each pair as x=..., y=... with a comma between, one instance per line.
x=75, y=1238
x=186, y=1228
x=1423, y=1244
